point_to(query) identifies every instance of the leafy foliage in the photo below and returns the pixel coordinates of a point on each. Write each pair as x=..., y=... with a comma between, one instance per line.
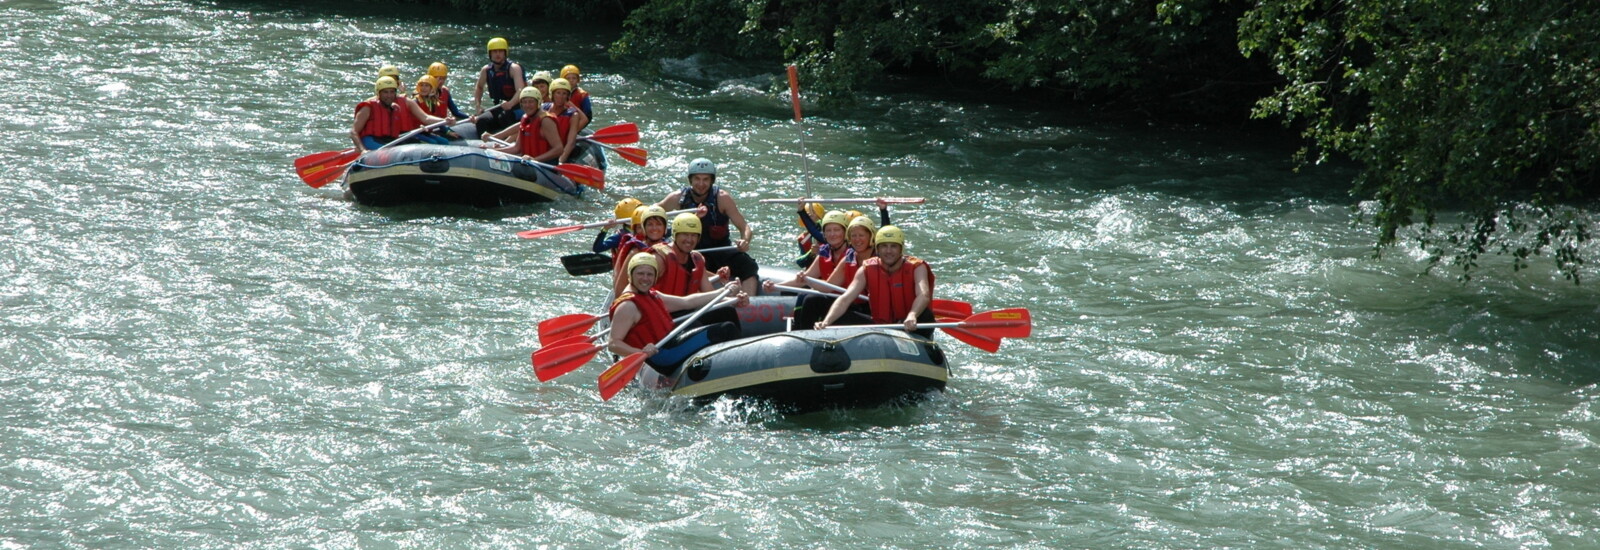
x=1122, y=52
x=1484, y=107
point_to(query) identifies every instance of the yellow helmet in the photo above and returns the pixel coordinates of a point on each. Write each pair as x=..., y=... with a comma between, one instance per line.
x=889, y=234
x=498, y=43
x=429, y=80
x=384, y=83
x=390, y=71
x=542, y=75
x=625, y=207
x=651, y=211
x=570, y=69
x=530, y=91
x=560, y=84
x=863, y=221
x=643, y=257
x=853, y=214
x=835, y=217
x=438, y=69
x=686, y=222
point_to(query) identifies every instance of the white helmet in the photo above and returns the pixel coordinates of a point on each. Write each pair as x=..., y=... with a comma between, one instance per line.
x=701, y=166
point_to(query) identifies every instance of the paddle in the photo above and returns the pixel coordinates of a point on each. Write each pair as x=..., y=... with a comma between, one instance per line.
x=560, y=357
x=631, y=154
x=888, y=200
x=986, y=328
x=941, y=308
x=592, y=263
x=794, y=98
x=618, y=134
x=623, y=372
x=583, y=174
x=588, y=263
x=320, y=169
x=537, y=233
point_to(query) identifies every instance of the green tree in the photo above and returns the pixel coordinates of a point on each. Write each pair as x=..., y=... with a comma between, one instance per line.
x=1110, y=52
x=1490, y=108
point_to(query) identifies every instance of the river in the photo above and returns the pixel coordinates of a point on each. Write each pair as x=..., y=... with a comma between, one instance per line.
x=200, y=350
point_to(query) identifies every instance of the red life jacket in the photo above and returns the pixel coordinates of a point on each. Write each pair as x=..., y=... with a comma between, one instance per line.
x=849, y=263
x=577, y=98
x=828, y=260
x=654, y=320
x=891, y=294
x=383, y=123
x=674, y=279
x=406, y=122
x=444, y=97
x=440, y=107
x=533, y=143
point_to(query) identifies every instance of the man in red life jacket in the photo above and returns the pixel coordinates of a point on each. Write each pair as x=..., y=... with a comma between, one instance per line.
x=502, y=79
x=899, y=287
x=535, y=137
x=640, y=318
x=683, y=271
x=718, y=213
x=383, y=117
x=568, y=118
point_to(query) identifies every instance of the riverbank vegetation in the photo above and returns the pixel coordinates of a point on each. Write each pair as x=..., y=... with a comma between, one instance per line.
x=1487, y=109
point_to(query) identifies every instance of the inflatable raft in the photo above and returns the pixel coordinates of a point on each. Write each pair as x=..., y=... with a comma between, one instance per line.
x=807, y=370
x=459, y=173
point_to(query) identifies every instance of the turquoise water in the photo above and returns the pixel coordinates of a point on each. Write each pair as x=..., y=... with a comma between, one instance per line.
x=201, y=350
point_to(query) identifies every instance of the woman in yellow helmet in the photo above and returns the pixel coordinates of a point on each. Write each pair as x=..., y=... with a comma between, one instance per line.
x=641, y=317
x=441, y=74
x=580, y=96
x=427, y=98
x=502, y=79
x=623, y=211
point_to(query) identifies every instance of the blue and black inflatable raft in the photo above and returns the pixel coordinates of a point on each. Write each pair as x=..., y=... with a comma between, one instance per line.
x=459, y=173
x=807, y=370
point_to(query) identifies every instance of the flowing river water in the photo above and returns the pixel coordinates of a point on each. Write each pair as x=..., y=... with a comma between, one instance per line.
x=200, y=350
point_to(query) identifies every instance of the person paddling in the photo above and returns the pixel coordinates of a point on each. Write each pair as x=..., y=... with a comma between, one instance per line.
x=384, y=116
x=441, y=75
x=580, y=96
x=827, y=254
x=568, y=119
x=624, y=210
x=640, y=317
x=427, y=98
x=683, y=271
x=832, y=255
x=718, y=212
x=650, y=230
x=502, y=79
x=899, y=288
x=536, y=136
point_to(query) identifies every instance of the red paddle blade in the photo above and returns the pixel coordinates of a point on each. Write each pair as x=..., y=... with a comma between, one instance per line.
x=634, y=155
x=569, y=340
x=302, y=163
x=617, y=134
x=328, y=176
x=620, y=375
x=1002, y=323
x=326, y=170
x=974, y=339
x=794, y=90
x=586, y=175
x=551, y=362
x=952, y=308
x=565, y=325
x=536, y=233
